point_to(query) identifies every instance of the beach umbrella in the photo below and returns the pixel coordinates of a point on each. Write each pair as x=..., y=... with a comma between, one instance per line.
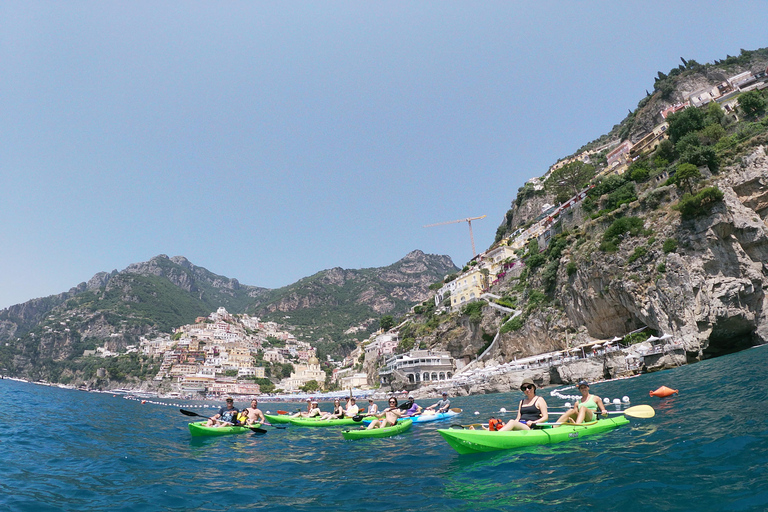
x=617, y=338
x=653, y=338
x=665, y=336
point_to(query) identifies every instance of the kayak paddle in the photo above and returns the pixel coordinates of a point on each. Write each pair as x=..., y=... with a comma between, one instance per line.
x=255, y=430
x=638, y=411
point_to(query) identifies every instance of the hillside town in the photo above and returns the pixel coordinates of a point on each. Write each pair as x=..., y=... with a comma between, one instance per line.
x=233, y=354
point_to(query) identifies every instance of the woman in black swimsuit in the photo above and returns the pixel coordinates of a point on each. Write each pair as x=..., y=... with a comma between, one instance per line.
x=531, y=411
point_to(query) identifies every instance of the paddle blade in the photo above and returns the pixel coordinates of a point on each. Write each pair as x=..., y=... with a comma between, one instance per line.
x=258, y=431
x=282, y=412
x=640, y=411
x=456, y=410
x=190, y=413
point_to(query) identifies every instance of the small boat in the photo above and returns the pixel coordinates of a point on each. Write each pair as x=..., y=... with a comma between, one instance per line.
x=477, y=441
x=362, y=433
x=278, y=418
x=315, y=422
x=424, y=418
x=198, y=428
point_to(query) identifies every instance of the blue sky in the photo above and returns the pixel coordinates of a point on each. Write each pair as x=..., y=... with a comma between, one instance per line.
x=269, y=141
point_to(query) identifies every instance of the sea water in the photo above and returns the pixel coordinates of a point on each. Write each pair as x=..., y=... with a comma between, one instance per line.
x=705, y=450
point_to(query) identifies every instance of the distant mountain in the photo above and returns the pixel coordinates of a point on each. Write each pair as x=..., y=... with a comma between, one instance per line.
x=43, y=337
x=338, y=305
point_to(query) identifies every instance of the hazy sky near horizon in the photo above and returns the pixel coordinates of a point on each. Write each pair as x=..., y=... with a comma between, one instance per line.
x=267, y=141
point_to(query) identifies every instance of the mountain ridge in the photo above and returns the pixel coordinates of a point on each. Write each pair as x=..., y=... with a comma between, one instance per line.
x=114, y=309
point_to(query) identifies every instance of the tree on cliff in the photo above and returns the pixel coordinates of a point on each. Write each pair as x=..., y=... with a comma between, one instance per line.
x=569, y=180
x=752, y=103
x=686, y=176
x=682, y=123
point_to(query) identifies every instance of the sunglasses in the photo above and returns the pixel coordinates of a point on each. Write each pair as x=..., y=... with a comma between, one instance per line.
x=526, y=387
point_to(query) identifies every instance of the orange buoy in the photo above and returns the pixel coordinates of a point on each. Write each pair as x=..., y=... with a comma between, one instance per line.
x=143, y=401
x=664, y=391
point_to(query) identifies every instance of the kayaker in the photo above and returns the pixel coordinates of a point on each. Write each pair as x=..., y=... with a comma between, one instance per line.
x=352, y=408
x=338, y=411
x=372, y=407
x=227, y=415
x=442, y=405
x=254, y=414
x=531, y=410
x=314, y=410
x=304, y=413
x=585, y=408
x=412, y=408
x=389, y=415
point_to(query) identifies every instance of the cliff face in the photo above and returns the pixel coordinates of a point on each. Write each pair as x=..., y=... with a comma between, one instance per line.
x=711, y=295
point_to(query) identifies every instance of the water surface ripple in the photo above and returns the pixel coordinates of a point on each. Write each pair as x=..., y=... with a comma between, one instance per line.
x=705, y=450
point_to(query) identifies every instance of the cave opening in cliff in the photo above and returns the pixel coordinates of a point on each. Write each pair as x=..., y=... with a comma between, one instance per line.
x=728, y=336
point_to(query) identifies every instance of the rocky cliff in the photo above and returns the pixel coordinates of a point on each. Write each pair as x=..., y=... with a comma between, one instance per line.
x=645, y=251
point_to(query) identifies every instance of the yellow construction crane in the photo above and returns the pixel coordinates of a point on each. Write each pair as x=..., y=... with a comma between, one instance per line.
x=468, y=220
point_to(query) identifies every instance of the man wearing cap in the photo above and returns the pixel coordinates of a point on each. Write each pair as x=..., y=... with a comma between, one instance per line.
x=585, y=408
x=442, y=405
x=226, y=415
x=410, y=407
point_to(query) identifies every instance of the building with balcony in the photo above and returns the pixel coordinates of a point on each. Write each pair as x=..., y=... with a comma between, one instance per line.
x=418, y=366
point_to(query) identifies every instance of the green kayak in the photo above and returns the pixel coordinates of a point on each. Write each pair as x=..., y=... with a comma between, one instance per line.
x=475, y=441
x=314, y=422
x=278, y=418
x=401, y=427
x=198, y=428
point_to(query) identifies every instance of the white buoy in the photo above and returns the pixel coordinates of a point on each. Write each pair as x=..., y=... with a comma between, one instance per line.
x=502, y=410
x=616, y=401
x=567, y=405
x=476, y=413
x=606, y=400
x=625, y=399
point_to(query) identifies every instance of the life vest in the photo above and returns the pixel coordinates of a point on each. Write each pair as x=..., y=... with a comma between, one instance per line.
x=495, y=424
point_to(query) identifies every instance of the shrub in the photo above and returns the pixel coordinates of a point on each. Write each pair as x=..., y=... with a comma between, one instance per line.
x=535, y=261
x=571, y=268
x=622, y=195
x=670, y=245
x=638, y=253
x=661, y=268
x=636, y=337
x=701, y=204
x=474, y=310
x=621, y=227
x=513, y=325
x=535, y=299
x=549, y=275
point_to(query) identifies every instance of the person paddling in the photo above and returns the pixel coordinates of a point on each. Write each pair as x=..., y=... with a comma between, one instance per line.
x=442, y=405
x=531, y=410
x=585, y=408
x=389, y=415
x=411, y=408
x=226, y=416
